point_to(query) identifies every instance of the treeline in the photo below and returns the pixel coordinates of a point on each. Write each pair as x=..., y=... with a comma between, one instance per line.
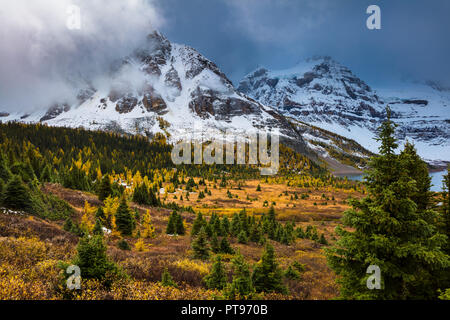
x=78, y=158
x=20, y=191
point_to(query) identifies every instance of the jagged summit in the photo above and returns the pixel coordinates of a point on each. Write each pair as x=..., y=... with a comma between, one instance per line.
x=167, y=88
x=322, y=92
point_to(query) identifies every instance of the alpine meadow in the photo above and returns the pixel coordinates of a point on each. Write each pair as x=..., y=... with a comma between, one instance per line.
x=136, y=168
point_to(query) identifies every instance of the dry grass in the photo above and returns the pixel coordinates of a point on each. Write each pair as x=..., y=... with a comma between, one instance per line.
x=40, y=244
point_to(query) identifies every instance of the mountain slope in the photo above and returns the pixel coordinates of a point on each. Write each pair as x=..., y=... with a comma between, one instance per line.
x=326, y=94
x=165, y=88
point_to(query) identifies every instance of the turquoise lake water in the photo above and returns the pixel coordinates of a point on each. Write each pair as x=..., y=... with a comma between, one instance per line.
x=436, y=179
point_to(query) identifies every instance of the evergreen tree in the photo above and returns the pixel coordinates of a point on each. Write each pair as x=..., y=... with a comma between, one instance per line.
x=444, y=275
x=225, y=246
x=5, y=173
x=267, y=276
x=300, y=233
x=292, y=273
x=446, y=208
x=46, y=175
x=388, y=231
x=98, y=229
x=199, y=222
x=68, y=225
x=145, y=196
x=123, y=245
x=242, y=237
x=104, y=189
x=171, y=225
x=167, y=280
x=92, y=259
x=124, y=219
x=235, y=225
x=323, y=240
x=226, y=226
x=175, y=225
x=241, y=286
x=417, y=170
x=315, y=234
x=255, y=234
x=209, y=230
x=217, y=278
x=200, y=246
x=17, y=196
x=215, y=245
x=179, y=224
x=217, y=227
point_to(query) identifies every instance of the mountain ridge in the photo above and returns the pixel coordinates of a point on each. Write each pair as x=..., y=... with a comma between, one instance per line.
x=322, y=92
x=166, y=88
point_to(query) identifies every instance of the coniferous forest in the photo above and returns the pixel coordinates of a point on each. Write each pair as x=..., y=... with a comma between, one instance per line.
x=138, y=227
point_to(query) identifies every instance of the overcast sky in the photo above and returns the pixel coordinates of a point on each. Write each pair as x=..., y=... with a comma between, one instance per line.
x=240, y=35
x=40, y=58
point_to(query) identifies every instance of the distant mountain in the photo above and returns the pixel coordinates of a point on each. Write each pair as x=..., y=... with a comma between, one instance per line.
x=323, y=93
x=166, y=88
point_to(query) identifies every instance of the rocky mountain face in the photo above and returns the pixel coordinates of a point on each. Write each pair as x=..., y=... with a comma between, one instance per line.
x=167, y=88
x=326, y=94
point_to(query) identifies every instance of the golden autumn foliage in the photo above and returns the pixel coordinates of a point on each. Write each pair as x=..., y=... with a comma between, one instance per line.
x=140, y=246
x=88, y=218
x=187, y=264
x=148, y=230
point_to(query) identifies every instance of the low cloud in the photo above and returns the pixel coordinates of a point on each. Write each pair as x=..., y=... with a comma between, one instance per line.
x=42, y=61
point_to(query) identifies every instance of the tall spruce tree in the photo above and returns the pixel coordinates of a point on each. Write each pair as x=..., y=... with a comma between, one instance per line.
x=217, y=278
x=225, y=246
x=215, y=245
x=175, y=225
x=417, y=170
x=445, y=273
x=241, y=286
x=124, y=219
x=446, y=208
x=144, y=195
x=199, y=222
x=385, y=229
x=98, y=228
x=17, y=196
x=267, y=276
x=5, y=173
x=92, y=259
x=200, y=245
x=104, y=189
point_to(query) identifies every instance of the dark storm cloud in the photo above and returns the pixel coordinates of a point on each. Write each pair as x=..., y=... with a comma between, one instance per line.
x=42, y=61
x=242, y=34
x=38, y=54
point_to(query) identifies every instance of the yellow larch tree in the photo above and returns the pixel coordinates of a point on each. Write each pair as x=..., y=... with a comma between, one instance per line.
x=110, y=209
x=148, y=230
x=87, y=220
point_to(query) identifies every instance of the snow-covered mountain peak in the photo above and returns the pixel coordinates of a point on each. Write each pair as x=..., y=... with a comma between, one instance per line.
x=322, y=92
x=167, y=88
